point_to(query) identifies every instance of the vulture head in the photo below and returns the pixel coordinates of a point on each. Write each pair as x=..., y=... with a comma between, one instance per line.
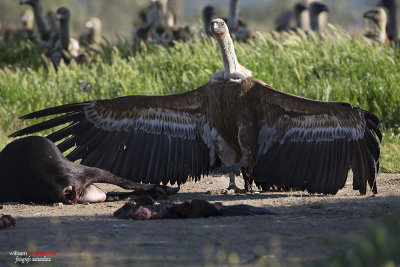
x=63, y=14
x=317, y=8
x=299, y=7
x=218, y=28
x=27, y=19
x=93, y=26
x=378, y=16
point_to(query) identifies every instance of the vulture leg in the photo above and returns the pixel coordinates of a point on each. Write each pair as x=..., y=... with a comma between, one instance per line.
x=232, y=184
x=248, y=182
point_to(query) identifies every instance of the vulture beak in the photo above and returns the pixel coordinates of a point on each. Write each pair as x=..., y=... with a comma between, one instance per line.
x=214, y=26
x=21, y=2
x=89, y=24
x=25, y=18
x=58, y=16
x=368, y=15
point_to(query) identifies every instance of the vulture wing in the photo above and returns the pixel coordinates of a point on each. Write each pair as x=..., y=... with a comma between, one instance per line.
x=310, y=145
x=150, y=139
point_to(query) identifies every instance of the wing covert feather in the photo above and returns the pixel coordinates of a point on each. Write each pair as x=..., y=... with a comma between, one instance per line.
x=141, y=138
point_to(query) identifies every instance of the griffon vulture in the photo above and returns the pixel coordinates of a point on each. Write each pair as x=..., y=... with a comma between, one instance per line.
x=234, y=122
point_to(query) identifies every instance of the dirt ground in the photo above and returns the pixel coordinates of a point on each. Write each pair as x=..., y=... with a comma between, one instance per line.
x=306, y=229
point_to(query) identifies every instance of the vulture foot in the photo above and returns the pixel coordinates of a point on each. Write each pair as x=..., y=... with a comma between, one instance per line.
x=232, y=185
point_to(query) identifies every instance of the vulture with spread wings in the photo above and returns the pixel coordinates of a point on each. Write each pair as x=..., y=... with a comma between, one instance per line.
x=232, y=123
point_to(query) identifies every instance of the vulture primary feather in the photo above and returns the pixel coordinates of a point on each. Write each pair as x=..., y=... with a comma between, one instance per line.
x=234, y=122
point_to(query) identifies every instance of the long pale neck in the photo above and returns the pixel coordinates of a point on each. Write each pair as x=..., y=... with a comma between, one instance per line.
x=231, y=64
x=303, y=20
x=64, y=34
x=37, y=11
x=233, y=14
x=162, y=10
x=380, y=32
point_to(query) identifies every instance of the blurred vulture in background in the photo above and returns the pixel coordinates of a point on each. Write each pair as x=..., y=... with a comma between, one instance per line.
x=160, y=25
x=391, y=26
x=233, y=123
x=13, y=36
x=236, y=26
x=66, y=47
x=318, y=16
x=296, y=18
x=378, y=16
x=92, y=33
x=208, y=15
x=305, y=15
x=46, y=25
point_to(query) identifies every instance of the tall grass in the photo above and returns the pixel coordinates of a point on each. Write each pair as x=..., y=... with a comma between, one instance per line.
x=338, y=68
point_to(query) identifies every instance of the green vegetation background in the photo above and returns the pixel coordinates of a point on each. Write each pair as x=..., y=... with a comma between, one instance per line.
x=339, y=68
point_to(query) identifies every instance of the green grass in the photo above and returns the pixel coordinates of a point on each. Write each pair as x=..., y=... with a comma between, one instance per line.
x=390, y=152
x=338, y=68
x=379, y=246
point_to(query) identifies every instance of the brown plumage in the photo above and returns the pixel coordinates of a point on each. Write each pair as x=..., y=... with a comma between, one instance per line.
x=274, y=138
